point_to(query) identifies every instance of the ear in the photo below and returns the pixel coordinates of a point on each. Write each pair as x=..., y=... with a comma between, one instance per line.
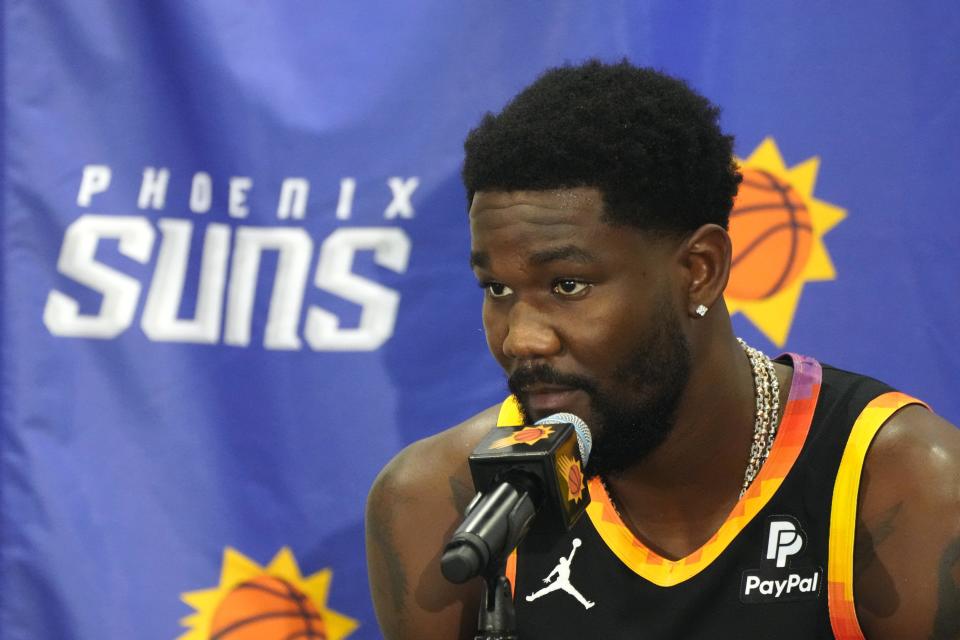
x=706, y=262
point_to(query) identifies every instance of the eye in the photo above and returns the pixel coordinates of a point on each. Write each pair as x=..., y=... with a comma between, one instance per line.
x=496, y=289
x=570, y=288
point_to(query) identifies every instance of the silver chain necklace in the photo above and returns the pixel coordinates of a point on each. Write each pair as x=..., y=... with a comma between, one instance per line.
x=766, y=392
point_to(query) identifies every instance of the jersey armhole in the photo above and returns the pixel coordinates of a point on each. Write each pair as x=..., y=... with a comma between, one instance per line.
x=843, y=512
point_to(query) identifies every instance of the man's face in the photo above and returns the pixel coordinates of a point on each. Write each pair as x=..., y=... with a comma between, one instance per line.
x=580, y=314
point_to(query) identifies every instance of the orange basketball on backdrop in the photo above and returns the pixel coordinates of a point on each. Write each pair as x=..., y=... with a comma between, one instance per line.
x=771, y=233
x=266, y=608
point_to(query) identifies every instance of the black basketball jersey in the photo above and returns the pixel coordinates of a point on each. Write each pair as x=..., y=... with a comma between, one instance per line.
x=781, y=565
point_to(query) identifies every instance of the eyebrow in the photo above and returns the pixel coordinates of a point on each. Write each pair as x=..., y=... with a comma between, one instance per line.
x=568, y=252
x=573, y=253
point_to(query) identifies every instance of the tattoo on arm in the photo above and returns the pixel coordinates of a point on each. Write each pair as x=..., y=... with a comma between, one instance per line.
x=869, y=537
x=946, y=622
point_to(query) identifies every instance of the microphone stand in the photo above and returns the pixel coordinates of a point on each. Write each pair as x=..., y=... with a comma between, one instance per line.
x=498, y=618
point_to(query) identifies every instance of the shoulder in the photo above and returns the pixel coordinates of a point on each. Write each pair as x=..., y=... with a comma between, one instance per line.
x=913, y=447
x=425, y=466
x=914, y=459
x=413, y=507
x=907, y=555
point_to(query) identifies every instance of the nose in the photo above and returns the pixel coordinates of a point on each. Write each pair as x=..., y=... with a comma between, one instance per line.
x=529, y=334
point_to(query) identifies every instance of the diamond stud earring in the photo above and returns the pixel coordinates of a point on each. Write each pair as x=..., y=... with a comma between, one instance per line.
x=701, y=310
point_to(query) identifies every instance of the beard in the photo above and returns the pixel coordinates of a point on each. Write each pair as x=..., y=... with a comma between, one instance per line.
x=635, y=418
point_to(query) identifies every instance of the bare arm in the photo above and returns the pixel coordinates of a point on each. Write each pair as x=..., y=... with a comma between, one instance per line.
x=907, y=549
x=415, y=504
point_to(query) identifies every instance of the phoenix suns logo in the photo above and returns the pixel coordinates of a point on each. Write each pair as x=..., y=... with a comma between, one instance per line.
x=777, y=230
x=527, y=435
x=265, y=603
x=571, y=475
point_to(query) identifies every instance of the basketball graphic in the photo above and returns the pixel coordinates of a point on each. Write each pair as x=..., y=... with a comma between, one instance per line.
x=570, y=473
x=530, y=434
x=266, y=608
x=575, y=480
x=275, y=602
x=776, y=229
x=527, y=435
x=771, y=233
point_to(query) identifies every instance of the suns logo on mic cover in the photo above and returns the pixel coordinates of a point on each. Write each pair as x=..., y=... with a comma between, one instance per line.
x=570, y=474
x=527, y=435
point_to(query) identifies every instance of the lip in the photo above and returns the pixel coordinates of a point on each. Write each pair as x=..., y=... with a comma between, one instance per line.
x=544, y=400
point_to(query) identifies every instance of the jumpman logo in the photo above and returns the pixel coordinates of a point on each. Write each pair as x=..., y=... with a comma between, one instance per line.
x=562, y=571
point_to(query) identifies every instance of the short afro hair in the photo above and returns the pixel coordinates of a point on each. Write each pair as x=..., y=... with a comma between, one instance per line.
x=649, y=143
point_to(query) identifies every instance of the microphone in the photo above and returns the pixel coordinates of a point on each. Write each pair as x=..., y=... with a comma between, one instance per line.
x=520, y=472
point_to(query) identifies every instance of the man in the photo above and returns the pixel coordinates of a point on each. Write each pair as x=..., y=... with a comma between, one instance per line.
x=732, y=496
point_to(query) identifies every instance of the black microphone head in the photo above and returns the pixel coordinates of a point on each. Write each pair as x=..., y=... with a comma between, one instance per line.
x=528, y=478
x=549, y=453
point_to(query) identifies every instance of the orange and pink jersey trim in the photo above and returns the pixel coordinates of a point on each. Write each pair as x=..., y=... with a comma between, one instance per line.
x=843, y=512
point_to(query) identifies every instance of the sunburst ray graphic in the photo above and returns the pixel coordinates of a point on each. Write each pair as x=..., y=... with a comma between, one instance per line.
x=267, y=603
x=774, y=258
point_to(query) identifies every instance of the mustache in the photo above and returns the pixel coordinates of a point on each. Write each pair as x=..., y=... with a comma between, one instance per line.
x=525, y=377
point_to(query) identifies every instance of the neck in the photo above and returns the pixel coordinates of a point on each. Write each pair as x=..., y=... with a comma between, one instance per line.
x=676, y=498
